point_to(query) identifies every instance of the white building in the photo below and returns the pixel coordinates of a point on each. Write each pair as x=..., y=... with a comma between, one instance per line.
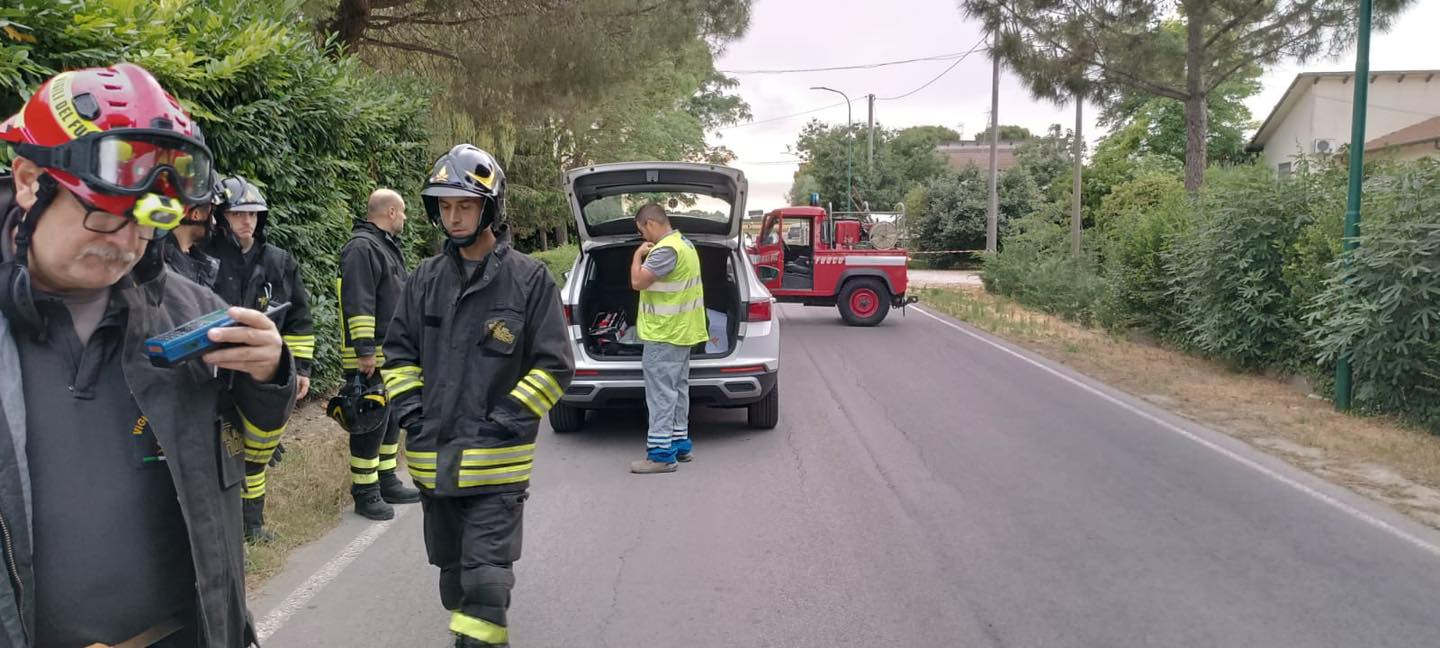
x=1314, y=115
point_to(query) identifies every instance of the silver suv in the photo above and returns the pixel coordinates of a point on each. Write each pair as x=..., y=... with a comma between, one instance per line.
x=739, y=366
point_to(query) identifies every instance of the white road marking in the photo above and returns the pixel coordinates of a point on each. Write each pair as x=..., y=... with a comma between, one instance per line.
x=1251, y=463
x=323, y=576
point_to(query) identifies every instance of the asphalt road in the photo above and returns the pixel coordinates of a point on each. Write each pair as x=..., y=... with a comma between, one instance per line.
x=925, y=488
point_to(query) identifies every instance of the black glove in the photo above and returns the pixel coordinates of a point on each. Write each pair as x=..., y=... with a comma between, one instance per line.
x=275, y=456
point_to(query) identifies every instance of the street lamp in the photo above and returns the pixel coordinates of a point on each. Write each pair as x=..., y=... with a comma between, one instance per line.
x=849, y=140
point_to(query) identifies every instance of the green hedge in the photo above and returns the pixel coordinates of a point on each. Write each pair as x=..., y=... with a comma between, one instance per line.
x=316, y=131
x=559, y=260
x=1384, y=308
x=1250, y=273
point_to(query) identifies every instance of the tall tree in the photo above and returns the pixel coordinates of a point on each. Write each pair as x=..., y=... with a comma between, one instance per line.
x=552, y=84
x=903, y=159
x=1179, y=49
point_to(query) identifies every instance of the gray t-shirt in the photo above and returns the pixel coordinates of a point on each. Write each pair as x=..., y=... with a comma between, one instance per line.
x=112, y=554
x=660, y=261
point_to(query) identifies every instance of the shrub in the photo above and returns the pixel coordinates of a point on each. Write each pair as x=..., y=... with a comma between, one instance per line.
x=1036, y=269
x=1383, y=309
x=1233, y=300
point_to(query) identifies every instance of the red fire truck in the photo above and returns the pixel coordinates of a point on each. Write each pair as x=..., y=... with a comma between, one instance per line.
x=809, y=256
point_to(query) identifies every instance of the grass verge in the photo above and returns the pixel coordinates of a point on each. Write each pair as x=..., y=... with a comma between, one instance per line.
x=1379, y=457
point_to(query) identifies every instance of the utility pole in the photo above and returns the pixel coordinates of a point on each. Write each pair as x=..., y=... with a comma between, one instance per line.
x=1075, y=224
x=870, y=156
x=992, y=217
x=849, y=140
x=1343, y=389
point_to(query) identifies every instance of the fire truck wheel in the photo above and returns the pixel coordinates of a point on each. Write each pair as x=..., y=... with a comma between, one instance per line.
x=564, y=418
x=864, y=302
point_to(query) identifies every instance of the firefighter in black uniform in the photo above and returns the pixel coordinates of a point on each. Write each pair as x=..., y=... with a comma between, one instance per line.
x=183, y=250
x=255, y=274
x=372, y=273
x=476, y=354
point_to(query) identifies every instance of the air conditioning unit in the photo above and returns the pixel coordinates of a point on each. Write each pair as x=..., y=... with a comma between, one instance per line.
x=1325, y=145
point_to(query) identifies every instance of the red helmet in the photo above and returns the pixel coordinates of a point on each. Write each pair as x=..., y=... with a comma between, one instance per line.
x=114, y=137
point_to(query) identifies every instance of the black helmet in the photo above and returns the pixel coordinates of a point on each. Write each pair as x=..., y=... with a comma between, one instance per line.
x=467, y=172
x=239, y=194
x=359, y=408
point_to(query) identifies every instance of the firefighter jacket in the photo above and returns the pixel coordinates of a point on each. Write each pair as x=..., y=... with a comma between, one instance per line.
x=471, y=365
x=268, y=276
x=194, y=265
x=202, y=449
x=371, y=276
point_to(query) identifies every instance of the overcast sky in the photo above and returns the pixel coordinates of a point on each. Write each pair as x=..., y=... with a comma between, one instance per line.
x=790, y=34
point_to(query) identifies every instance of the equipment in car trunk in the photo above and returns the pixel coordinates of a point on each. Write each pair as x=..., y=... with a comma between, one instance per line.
x=611, y=334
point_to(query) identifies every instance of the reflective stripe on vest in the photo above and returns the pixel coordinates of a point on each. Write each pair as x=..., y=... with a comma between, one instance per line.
x=672, y=311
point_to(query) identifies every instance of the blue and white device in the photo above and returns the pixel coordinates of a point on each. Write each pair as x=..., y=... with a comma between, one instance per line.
x=192, y=339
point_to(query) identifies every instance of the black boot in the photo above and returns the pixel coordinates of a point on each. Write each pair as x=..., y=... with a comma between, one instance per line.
x=254, y=514
x=369, y=504
x=394, y=491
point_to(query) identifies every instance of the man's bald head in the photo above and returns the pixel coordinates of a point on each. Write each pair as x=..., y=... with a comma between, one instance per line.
x=386, y=209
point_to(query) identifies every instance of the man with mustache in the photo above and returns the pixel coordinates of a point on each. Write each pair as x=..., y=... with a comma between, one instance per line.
x=119, y=481
x=256, y=274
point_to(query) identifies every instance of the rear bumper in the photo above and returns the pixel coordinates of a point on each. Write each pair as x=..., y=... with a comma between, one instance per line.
x=708, y=387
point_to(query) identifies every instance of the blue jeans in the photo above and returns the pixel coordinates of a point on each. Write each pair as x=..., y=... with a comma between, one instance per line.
x=667, y=395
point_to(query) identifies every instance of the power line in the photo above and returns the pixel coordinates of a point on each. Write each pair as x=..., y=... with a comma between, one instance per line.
x=837, y=68
x=785, y=117
x=937, y=77
x=962, y=55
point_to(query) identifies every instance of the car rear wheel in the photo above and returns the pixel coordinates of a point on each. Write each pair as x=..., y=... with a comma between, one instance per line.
x=864, y=302
x=564, y=418
x=765, y=413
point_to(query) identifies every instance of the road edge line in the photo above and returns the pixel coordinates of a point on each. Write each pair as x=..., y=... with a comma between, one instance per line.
x=1356, y=513
x=297, y=599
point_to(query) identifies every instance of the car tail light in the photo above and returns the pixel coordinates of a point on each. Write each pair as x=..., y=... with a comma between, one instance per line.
x=758, y=311
x=754, y=369
x=569, y=315
x=586, y=372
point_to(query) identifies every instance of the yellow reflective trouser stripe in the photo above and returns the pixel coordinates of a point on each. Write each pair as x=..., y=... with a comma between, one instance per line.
x=479, y=629
x=301, y=346
x=674, y=286
x=260, y=443
x=364, y=463
x=254, y=486
x=387, y=456
x=422, y=467
x=399, y=380
x=361, y=326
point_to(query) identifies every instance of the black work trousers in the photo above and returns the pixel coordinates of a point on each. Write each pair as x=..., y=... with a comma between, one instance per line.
x=475, y=540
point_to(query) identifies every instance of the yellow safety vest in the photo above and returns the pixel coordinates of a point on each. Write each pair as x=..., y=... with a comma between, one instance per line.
x=672, y=310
